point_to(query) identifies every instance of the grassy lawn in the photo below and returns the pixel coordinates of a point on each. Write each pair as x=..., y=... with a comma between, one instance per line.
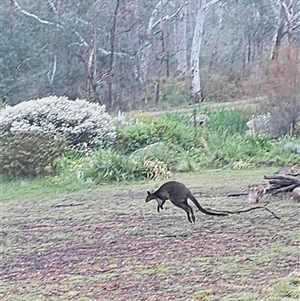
x=105, y=243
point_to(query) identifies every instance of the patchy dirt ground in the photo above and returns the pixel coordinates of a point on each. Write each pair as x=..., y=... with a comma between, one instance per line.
x=114, y=246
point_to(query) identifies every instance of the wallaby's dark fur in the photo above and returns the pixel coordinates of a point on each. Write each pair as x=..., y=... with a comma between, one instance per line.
x=178, y=194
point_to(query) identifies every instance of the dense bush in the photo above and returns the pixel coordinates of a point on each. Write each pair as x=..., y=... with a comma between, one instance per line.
x=104, y=166
x=83, y=124
x=30, y=154
x=167, y=153
x=179, y=130
x=217, y=87
x=158, y=129
x=279, y=81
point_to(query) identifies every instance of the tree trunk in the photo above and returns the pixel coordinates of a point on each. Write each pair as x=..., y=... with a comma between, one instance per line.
x=112, y=57
x=203, y=7
x=145, y=49
x=195, y=53
x=277, y=40
x=181, y=41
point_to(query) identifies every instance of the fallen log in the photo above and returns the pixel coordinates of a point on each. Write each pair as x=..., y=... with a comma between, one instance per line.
x=282, y=183
x=236, y=193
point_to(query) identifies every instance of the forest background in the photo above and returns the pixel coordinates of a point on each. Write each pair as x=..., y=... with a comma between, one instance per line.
x=136, y=54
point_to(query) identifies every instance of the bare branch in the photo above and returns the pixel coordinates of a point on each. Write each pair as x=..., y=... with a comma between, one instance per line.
x=120, y=54
x=286, y=11
x=126, y=30
x=210, y=4
x=295, y=26
x=60, y=25
x=169, y=17
x=296, y=16
x=103, y=77
x=16, y=4
x=154, y=13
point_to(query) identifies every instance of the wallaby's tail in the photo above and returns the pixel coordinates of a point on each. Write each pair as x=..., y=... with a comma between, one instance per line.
x=249, y=209
x=219, y=213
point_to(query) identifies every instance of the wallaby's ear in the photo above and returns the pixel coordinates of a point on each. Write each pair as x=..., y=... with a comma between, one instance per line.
x=148, y=192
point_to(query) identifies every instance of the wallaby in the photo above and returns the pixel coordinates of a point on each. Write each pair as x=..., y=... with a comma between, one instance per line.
x=178, y=194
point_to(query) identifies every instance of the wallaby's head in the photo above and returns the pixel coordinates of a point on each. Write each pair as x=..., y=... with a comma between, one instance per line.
x=150, y=196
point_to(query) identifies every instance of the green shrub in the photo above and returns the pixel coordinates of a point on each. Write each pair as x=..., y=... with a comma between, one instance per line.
x=158, y=129
x=221, y=142
x=167, y=153
x=111, y=166
x=30, y=154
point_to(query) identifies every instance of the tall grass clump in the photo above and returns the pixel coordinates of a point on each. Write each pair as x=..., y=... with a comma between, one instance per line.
x=226, y=120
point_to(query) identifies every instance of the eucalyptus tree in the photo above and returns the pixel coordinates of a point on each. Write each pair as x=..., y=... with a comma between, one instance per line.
x=113, y=52
x=287, y=14
x=80, y=42
x=243, y=35
x=180, y=38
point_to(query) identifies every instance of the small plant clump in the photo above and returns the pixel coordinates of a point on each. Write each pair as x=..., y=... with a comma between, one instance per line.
x=30, y=154
x=84, y=125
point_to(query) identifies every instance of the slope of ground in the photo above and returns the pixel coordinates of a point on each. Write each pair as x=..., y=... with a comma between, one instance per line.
x=111, y=245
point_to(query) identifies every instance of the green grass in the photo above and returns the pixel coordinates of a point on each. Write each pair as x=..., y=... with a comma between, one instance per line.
x=114, y=246
x=46, y=188
x=35, y=188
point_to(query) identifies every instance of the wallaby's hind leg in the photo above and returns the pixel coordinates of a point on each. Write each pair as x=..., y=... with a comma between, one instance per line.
x=188, y=209
x=192, y=215
x=191, y=212
x=188, y=214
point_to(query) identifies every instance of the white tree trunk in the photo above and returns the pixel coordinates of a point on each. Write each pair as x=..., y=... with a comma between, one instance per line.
x=202, y=8
x=181, y=41
x=288, y=20
x=279, y=28
x=146, y=47
x=195, y=52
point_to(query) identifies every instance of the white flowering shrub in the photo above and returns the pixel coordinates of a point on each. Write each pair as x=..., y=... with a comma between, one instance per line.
x=82, y=124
